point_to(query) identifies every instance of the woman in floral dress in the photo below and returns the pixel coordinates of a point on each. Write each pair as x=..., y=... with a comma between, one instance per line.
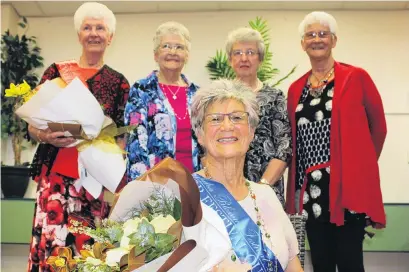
x=55, y=166
x=159, y=107
x=270, y=151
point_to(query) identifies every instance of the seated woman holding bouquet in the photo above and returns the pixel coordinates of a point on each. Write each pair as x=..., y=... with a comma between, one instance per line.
x=248, y=216
x=159, y=107
x=55, y=165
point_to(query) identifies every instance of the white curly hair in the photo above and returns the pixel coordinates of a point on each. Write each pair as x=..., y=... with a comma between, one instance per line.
x=321, y=17
x=96, y=11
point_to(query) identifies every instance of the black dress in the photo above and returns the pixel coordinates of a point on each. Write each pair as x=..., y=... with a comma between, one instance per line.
x=313, y=117
x=272, y=139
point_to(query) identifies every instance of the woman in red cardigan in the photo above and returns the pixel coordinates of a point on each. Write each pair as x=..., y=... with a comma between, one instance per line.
x=338, y=130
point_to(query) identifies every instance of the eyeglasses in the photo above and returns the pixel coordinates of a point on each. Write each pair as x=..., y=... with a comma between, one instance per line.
x=167, y=47
x=248, y=53
x=321, y=34
x=237, y=117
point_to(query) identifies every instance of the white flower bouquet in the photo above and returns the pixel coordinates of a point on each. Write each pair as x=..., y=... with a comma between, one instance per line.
x=73, y=109
x=153, y=226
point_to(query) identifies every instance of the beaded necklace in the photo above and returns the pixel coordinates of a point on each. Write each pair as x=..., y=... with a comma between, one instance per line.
x=260, y=222
x=317, y=91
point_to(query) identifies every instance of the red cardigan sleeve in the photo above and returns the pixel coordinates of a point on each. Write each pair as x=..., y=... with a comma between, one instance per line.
x=374, y=111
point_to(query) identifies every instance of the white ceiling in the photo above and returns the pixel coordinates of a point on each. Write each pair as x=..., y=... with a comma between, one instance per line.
x=67, y=8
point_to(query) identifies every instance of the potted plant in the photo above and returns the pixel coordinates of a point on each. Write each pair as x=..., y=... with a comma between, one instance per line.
x=20, y=56
x=218, y=66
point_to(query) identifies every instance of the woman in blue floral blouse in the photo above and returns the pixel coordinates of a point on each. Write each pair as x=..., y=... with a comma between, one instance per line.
x=159, y=107
x=270, y=150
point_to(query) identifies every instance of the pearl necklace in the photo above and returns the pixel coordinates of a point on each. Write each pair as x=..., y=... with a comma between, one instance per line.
x=260, y=222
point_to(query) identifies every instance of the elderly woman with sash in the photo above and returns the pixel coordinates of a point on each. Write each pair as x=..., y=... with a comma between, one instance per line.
x=55, y=166
x=248, y=216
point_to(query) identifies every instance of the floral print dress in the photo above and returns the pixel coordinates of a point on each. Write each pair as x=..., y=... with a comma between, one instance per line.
x=272, y=139
x=156, y=126
x=313, y=117
x=57, y=201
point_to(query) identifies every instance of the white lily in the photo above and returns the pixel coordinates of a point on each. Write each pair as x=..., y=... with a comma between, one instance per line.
x=114, y=255
x=131, y=226
x=162, y=223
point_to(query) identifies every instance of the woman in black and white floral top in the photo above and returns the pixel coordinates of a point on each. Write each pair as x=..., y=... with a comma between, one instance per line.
x=271, y=149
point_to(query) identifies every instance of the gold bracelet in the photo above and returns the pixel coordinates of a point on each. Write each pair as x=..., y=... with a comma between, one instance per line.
x=38, y=137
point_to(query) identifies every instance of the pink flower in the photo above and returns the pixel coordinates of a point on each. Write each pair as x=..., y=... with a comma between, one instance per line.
x=135, y=118
x=151, y=109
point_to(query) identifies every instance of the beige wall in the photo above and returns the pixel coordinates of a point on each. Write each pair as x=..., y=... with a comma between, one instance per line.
x=9, y=18
x=377, y=41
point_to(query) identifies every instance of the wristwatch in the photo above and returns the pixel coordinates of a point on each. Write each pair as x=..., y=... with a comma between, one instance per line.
x=264, y=181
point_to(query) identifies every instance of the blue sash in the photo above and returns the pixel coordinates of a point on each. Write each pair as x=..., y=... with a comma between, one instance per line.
x=245, y=235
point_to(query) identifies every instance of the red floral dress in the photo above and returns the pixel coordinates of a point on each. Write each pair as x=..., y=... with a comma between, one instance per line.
x=55, y=170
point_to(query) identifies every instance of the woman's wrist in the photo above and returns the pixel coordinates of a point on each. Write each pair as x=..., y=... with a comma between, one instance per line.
x=264, y=181
x=41, y=141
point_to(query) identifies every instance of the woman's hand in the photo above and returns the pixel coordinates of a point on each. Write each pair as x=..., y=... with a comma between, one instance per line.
x=54, y=138
x=294, y=265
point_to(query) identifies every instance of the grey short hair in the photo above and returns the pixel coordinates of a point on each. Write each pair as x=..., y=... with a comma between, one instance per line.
x=170, y=28
x=221, y=90
x=245, y=34
x=96, y=11
x=321, y=17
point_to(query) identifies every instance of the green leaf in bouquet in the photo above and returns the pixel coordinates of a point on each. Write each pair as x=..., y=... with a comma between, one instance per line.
x=149, y=217
x=152, y=254
x=139, y=250
x=114, y=234
x=110, y=231
x=145, y=236
x=163, y=245
x=164, y=241
x=158, y=203
x=177, y=209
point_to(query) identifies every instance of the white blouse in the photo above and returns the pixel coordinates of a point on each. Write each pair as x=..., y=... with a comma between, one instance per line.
x=283, y=241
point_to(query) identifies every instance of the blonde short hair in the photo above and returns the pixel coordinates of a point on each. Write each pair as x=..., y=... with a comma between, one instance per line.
x=245, y=34
x=170, y=28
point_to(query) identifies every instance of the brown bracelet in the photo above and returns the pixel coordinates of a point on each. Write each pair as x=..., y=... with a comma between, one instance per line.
x=38, y=137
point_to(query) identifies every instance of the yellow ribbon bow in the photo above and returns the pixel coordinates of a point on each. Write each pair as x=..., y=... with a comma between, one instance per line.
x=105, y=140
